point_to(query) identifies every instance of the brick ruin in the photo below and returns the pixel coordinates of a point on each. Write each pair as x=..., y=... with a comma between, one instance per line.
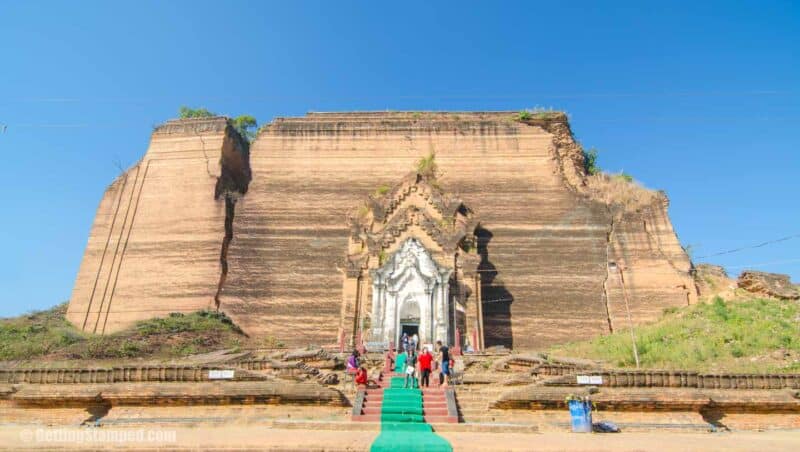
x=323, y=230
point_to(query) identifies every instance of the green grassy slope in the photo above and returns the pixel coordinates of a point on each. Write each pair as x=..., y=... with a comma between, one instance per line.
x=48, y=335
x=756, y=335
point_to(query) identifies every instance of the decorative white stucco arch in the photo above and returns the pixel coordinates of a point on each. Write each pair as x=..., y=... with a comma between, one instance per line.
x=410, y=279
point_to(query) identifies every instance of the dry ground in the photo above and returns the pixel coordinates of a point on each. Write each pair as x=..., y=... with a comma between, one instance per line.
x=260, y=438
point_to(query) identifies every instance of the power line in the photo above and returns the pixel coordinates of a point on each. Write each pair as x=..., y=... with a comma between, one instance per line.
x=759, y=245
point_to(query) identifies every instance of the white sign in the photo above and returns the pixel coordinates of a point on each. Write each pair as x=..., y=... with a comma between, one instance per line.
x=220, y=375
x=376, y=346
x=590, y=379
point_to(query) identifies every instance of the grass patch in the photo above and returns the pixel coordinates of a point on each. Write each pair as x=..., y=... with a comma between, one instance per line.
x=48, y=335
x=622, y=176
x=427, y=166
x=37, y=334
x=382, y=190
x=196, y=322
x=755, y=335
x=541, y=113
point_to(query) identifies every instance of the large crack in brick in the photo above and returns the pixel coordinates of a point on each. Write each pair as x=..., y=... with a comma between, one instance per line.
x=231, y=185
x=230, y=209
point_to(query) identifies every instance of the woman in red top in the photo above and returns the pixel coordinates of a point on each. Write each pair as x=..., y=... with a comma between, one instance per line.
x=361, y=376
x=425, y=360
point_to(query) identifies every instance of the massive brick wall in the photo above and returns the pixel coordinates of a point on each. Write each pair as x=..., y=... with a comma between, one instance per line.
x=154, y=247
x=546, y=240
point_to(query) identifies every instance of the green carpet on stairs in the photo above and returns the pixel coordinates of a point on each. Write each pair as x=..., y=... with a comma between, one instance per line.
x=400, y=364
x=403, y=427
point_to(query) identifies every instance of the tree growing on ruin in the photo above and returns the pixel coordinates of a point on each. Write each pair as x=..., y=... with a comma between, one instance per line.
x=246, y=125
x=185, y=113
x=590, y=162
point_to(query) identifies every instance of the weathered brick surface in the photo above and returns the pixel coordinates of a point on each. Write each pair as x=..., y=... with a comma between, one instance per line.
x=162, y=373
x=11, y=414
x=213, y=393
x=648, y=399
x=155, y=244
x=669, y=378
x=546, y=241
x=262, y=414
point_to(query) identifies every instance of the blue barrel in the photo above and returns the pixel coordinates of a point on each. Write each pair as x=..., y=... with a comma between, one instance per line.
x=581, y=414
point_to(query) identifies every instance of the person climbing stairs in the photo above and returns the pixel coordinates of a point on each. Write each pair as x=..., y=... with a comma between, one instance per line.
x=403, y=416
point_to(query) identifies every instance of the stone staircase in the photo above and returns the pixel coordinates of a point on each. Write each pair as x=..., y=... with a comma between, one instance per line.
x=475, y=403
x=438, y=404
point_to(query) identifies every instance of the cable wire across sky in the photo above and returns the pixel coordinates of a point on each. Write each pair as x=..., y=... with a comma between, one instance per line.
x=759, y=245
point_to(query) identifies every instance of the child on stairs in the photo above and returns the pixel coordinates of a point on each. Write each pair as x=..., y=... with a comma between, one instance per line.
x=411, y=369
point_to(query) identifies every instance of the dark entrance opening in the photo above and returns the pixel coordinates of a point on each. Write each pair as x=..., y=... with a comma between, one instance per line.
x=409, y=328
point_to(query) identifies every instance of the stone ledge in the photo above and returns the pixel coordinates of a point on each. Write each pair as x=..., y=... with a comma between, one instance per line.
x=663, y=399
x=368, y=123
x=165, y=373
x=192, y=126
x=668, y=379
x=207, y=393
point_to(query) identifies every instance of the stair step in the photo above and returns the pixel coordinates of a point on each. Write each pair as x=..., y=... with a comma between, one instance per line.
x=426, y=411
x=367, y=418
x=424, y=390
x=431, y=419
x=428, y=404
x=441, y=419
x=376, y=399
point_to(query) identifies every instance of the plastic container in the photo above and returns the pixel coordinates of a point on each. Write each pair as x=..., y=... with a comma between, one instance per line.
x=581, y=414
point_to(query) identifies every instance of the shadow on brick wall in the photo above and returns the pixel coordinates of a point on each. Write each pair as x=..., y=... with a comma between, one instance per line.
x=495, y=297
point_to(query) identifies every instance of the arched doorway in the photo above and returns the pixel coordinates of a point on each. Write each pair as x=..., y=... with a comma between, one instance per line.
x=409, y=319
x=411, y=264
x=410, y=291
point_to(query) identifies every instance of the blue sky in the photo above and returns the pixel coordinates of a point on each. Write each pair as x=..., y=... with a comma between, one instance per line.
x=700, y=99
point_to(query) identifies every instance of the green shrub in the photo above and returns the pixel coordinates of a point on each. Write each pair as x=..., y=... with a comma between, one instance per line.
x=272, y=342
x=590, y=161
x=717, y=336
x=720, y=308
x=536, y=113
x=185, y=112
x=128, y=349
x=195, y=322
x=246, y=125
x=427, y=167
x=622, y=176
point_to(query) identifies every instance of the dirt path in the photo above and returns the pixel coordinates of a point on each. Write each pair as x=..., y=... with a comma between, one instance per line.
x=260, y=438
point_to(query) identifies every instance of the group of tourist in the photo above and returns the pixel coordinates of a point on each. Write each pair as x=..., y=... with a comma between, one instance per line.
x=417, y=368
